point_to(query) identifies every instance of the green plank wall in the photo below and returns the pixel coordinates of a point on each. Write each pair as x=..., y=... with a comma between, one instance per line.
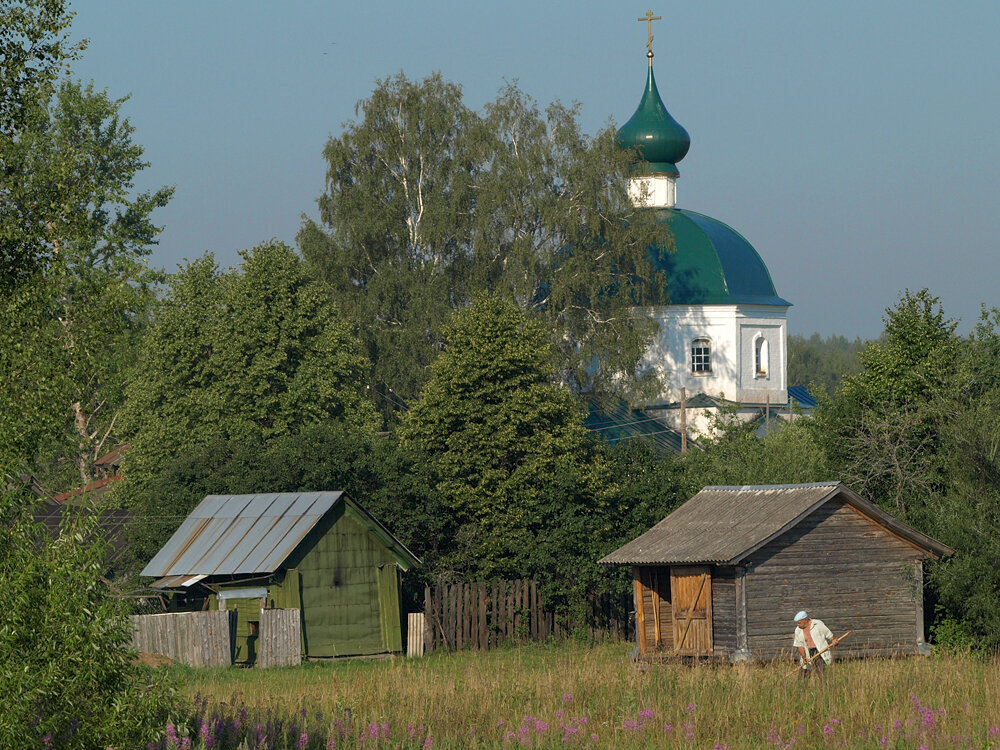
x=341, y=610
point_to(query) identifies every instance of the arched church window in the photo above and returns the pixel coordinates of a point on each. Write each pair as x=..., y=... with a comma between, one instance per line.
x=760, y=357
x=701, y=356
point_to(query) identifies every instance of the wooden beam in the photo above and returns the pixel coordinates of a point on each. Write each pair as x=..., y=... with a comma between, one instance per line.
x=742, y=641
x=640, y=612
x=654, y=597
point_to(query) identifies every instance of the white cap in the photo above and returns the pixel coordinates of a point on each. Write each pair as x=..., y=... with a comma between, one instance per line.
x=802, y=615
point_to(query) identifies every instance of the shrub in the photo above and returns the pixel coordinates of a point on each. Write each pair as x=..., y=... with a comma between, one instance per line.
x=66, y=672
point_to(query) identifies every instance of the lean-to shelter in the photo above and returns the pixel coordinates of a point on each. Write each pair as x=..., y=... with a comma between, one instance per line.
x=319, y=552
x=723, y=575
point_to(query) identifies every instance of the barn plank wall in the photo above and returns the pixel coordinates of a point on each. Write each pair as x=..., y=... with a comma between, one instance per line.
x=845, y=570
x=723, y=611
x=654, y=617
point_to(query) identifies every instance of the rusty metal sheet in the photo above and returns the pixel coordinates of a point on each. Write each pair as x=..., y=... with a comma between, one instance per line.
x=301, y=514
x=237, y=534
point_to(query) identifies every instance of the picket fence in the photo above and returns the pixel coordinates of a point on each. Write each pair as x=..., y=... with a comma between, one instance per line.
x=484, y=615
x=198, y=639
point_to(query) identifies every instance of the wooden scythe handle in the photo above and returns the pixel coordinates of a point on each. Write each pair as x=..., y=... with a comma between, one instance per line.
x=820, y=653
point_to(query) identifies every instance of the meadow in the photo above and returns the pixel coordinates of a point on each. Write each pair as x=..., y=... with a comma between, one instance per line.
x=579, y=695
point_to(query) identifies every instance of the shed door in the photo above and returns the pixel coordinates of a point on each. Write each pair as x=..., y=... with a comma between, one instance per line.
x=691, y=591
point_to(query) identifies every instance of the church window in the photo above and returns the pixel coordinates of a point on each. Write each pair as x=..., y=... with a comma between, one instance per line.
x=701, y=356
x=760, y=357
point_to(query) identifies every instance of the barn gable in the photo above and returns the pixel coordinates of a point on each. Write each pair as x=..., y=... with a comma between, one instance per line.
x=722, y=575
x=724, y=525
x=321, y=553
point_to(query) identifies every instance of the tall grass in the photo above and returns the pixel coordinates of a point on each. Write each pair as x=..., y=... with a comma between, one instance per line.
x=579, y=695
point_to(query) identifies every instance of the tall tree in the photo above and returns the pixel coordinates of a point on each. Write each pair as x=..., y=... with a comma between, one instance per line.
x=246, y=355
x=428, y=202
x=881, y=429
x=73, y=241
x=506, y=450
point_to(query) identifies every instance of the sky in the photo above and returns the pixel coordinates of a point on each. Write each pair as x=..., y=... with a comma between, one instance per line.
x=855, y=145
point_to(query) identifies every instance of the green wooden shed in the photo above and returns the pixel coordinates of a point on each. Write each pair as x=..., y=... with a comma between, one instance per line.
x=322, y=553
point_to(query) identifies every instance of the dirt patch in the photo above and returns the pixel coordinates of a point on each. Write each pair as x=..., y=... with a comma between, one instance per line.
x=153, y=660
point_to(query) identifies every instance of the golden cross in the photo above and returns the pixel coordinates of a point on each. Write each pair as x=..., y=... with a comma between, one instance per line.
x=649, y=18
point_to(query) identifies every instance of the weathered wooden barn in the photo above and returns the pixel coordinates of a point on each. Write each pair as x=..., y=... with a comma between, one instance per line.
x=319, y=552
x=724, y=574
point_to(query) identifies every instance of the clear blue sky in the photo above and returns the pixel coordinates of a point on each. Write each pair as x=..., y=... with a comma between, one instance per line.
x=855, y=144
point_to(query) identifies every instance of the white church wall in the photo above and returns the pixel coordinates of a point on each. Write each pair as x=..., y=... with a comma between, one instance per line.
x=733, y=332
x=767, y=325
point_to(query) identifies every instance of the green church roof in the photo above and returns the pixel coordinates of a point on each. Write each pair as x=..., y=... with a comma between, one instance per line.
x=660, y=139
x=713, y=264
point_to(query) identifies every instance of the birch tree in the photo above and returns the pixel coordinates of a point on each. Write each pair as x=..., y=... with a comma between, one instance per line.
x=428, y=202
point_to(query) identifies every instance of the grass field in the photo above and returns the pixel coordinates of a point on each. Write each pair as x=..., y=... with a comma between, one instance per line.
x=579, y=695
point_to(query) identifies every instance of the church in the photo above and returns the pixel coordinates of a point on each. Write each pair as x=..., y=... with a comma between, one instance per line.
x=722, y=340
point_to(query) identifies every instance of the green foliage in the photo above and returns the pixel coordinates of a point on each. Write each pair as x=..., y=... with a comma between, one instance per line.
x=507, y=452
x=73, y=174
x=35, y=50
x=787, y=454
x=428, y=203
x=66, y=671
x=323, y=456
x=821, y=364
x=881, y=429
x=966, y=515
x=242, y=357
x=912, y=359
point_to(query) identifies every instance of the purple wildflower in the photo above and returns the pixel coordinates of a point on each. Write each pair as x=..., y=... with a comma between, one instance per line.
x=567, y=697
x=302, y=741
x=428, y=743
x=667, y=729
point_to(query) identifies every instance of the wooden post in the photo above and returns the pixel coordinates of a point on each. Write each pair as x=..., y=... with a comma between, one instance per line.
x=918, y=583
x=654, y=597
x=640, y=612
x=684, y=421
x=742, y=641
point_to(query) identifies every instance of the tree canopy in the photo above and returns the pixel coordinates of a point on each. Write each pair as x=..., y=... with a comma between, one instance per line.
x=428, y=203
x=245, y=355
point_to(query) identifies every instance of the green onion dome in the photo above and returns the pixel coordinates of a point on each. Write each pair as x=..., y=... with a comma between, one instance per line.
x=660, y=139
x=712, y=264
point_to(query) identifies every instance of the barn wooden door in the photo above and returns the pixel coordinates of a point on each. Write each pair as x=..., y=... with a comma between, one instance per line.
x=691, y=591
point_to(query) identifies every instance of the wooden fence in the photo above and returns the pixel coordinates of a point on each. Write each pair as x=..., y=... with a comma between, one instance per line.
x=198, y=639
x=280, y=641
x=484, y=615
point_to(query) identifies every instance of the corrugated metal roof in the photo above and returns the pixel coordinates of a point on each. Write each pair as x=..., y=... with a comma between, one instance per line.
x=725, y=524
x=801, y=394
x=615, y=421
x=240, y=534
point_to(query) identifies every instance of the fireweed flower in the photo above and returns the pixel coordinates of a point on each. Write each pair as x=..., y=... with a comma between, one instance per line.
x=567, y=697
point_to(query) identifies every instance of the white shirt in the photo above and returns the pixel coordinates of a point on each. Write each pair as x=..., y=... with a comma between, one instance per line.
x=821, y=636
